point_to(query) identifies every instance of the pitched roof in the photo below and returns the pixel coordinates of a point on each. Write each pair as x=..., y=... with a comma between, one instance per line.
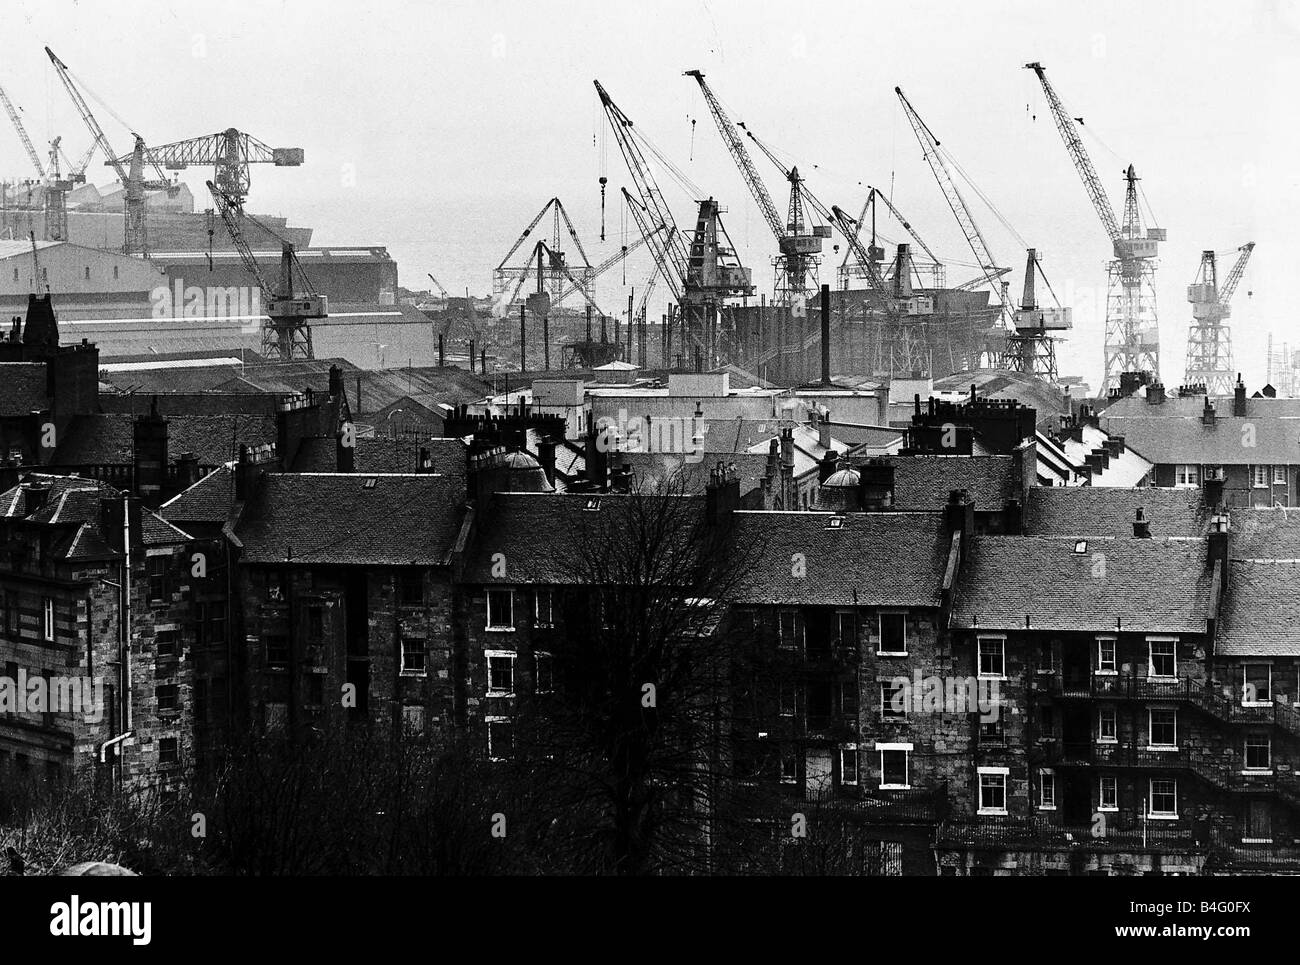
x=1152, y=585
x=1184, y=439
x=383, y=454
x=1264, y=534
x=653, y=468
x=75, y=504
x=107, y=437
x=1261, y=611
x=22, y=387
x=872, y=559
x=208, y=501
x=924, y=481
x=1081, y=511
x=346, y=519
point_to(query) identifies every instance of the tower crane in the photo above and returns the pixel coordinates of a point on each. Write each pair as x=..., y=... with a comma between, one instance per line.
x=1132, y=327
x=1209, y=338
x=438, y=285
x=961, y=211
x=796, y=265
x=291, y=301
x=129, y=171
x=702, y=273
x=1031, y=348
x=230, y=152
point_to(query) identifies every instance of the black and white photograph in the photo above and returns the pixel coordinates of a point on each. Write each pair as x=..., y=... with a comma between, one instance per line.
x=730, y=442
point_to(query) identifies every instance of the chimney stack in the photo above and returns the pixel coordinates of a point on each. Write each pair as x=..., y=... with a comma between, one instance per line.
x=1239, y=398
x=826, y=334
x=1141, y=527
x=149, y=438
x=546, y=456
x=1207, y=413
x=1156, y=393
x=1219, y=529
x=876, y=481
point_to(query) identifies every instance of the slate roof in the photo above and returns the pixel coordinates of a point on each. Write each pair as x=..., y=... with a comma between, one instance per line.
x=923, y=482
x=208, y=501
x=541, y=536
x=75, y=504
x=1081, y=511
x=1151, y=585
x=1264, y=534
x=338, y=519
x=1261, y=612
x=873, y=559
x=651, y=468
x=22, y=387
x=107, y=437
x=382, y=454
x=1183, y=439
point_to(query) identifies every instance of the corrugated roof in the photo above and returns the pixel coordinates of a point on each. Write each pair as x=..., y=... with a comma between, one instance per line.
x=1261, y=612
x=1082, y=511
x=1151, y=585
x=353, y=519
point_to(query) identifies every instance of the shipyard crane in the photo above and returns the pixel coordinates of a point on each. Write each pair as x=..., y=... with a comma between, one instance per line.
x=1132, y=328
x=438, y=285
x=130, y=172
x=1031, y=348
x=54, y=188
x=701, y=273
x=1209, y=338
x=230, y=152
x=608, y=263
x=796, y=265
x=869, y=208
x=291, y=301
x=961, y=211
x=556, y=270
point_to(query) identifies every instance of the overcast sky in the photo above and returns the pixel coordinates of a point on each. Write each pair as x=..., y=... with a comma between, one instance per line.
x=440, y=129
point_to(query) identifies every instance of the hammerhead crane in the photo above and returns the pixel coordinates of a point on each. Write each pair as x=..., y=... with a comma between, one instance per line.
x=702, y=273
x=230, y=152
x=129, y=170
x=1132, y=328
x=796, y=265
x=291, y=301
x=961, y=211
x=1209, y=338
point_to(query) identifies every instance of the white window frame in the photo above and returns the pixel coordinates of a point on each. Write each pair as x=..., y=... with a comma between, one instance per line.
x=1102, y=712
x=1154, y=815
x=906, y=749
x=488, y=722
x=1102, y=669
x=409, y=671
x=983, y=772
x=1256, y=703
x=785, y=686
x=491, y=655
x=850, y=751
x=549, y=658
x=851, y=616
x=47, y=619
x=795, y=641
x=1151, y=731
x=540, y=594
x=1151, y=666
x=1259, y=476
x=1187, y=476
x=979, y=657
x=880, y=633
x=1046, y=777
x=886, y=702
x=1101, y=793
x=789, y=756
x=1279, y=475
x=487, y=606
x=1245, y=757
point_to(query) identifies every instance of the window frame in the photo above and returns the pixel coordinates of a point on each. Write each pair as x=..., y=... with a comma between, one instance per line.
x=1260, y=472
x=546, y=593
x=488, y=721
x=410, y=671
x=488, y=657
x=1151, y=728
x=47, y=619
x=1152, y=813
x=793, y=640
x=1105, y=711
x=1004, y=773
x=1268, y=699
x=1267, y=741
x=1046, y=781
x=900, y=747
x=543, y=658
x=901, y=614
x=489, y=614
x=979, y=656
x=1279, y=475
x=1102, y=779
x=887, y=713
x=850, y=752
x=1102, y=669
x=1151, y=655
x=1187, y=476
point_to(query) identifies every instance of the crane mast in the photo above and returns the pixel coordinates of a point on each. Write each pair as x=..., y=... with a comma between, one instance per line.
x=1209, y=337
x=286, y=333
x=960, y=210
x=1132, y=327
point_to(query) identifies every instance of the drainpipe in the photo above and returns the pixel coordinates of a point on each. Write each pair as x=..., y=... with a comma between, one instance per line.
x=124, y=610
